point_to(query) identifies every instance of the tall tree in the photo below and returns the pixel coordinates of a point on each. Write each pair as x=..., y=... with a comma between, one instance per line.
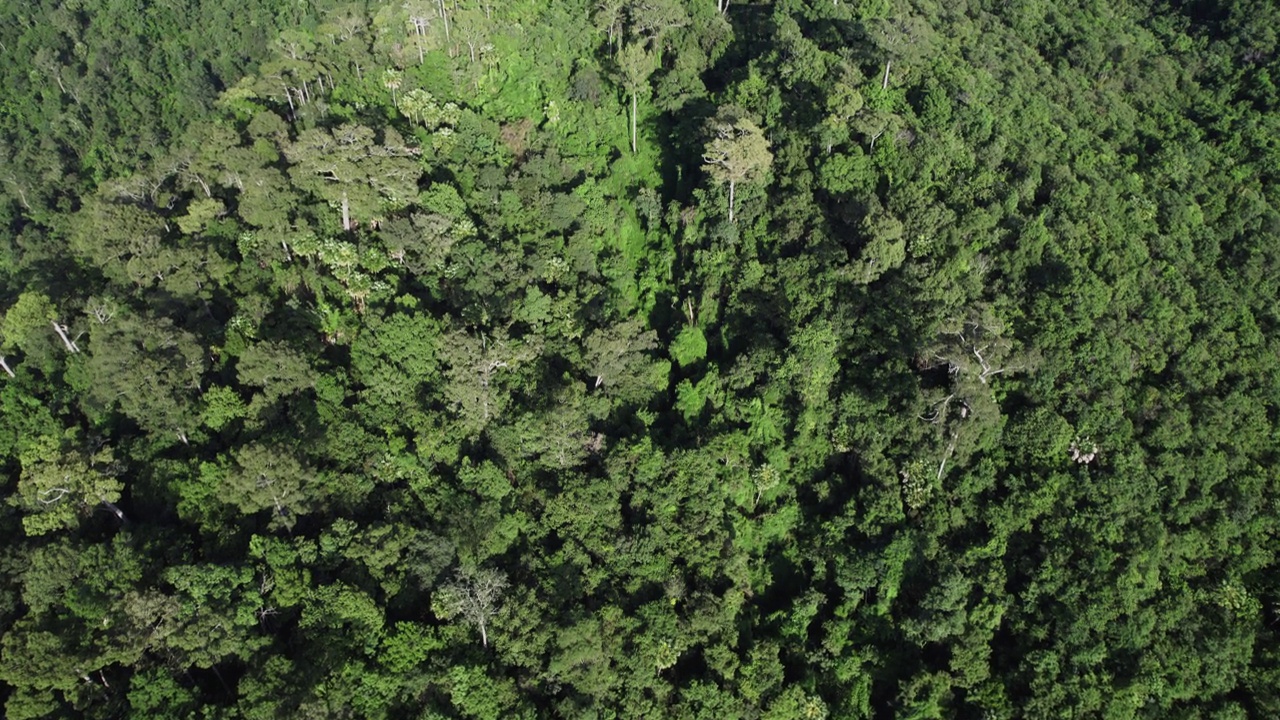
x=348, y=168
x=737, y=152
x=653, y=20
x=477, y=365
x=474, y=594
x=635, y=65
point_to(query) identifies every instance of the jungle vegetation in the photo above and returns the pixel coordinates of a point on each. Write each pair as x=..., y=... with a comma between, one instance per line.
x=639, y=358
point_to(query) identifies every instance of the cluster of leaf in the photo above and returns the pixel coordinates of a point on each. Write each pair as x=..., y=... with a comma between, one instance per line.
x=644, y=358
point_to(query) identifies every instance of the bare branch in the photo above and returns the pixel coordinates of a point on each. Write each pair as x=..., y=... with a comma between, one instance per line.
x=52, y=495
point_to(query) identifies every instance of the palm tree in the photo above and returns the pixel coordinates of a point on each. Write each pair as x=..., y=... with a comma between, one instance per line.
x=392, y=79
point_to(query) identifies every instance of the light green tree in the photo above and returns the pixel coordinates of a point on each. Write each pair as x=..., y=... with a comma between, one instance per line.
x=421, y=107
x=199, y=214
x=635, y=65
x=25, y=327
x=392, y=79
x=737, y=152
x=59, y=486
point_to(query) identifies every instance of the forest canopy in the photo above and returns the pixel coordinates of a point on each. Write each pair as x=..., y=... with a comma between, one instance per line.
x=639, y=358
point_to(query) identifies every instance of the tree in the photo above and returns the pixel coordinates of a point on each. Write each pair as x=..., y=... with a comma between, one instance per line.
x=337, y=612
x=25, y=326
x=266, y=478
x=473, y=26
x=199, y=214
x=276, y=368
x=420, y=12
x=906, y=36
x=8, y=342
x=738, y=151
x=348, y=168
x=619, y=363
x=474, y=594
x=58, y=486
x=122, y=238
x=218, y=616
x=476, y=365
x=392, y=79
x=421, y=243
x=444, y=16
x=843, y=103
x=886, y=248
x=421, y=107
x=148, y=369
x=636, y=64
x=651, y=20
x=608, y=16
x=394, y=360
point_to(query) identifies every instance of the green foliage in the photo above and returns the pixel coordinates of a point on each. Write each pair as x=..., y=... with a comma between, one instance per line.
x=383, y=361
x=689, y=346
x=737, y=151
x=58, y=487
x=222, y=405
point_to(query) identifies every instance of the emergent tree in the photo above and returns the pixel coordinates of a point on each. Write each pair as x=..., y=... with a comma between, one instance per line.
x=738, y=151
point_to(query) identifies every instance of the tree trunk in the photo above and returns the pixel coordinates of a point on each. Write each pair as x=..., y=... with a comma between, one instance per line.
x=62, y=333
x=115, y=510
x=22, y=196
x=346, y=214
x=225, y=686
x=5, y=366
x=484, y=635
x=885, y=84
x=633, y=122
x=732, y=185
x=943, y=465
